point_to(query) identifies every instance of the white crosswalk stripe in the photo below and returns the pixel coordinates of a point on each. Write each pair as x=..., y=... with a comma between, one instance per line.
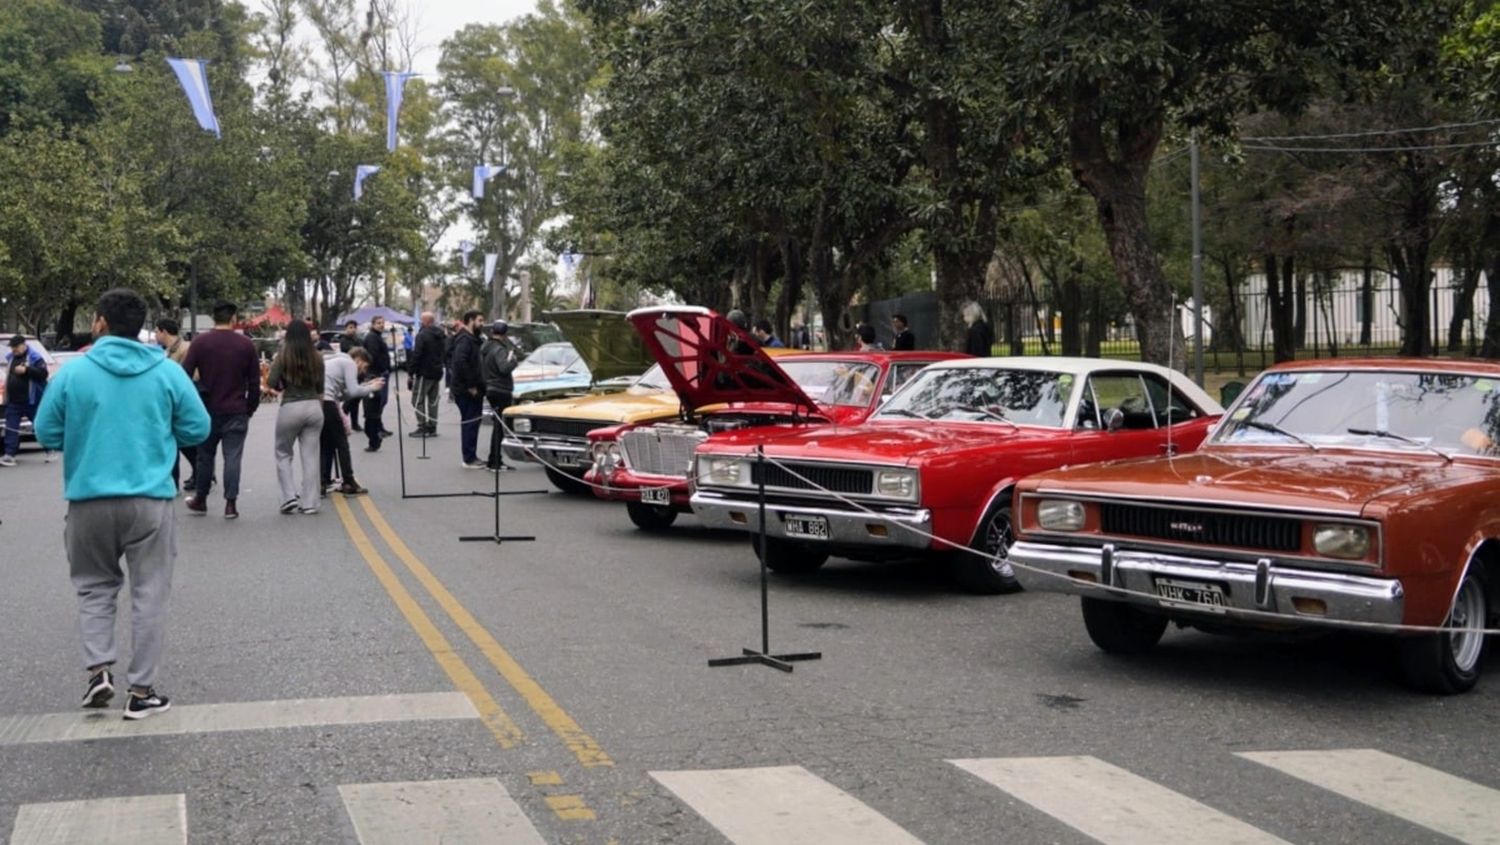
x=1111, y=804
x=137, y=820
x=476, y=811
x=782, y=805
x=1424, y=796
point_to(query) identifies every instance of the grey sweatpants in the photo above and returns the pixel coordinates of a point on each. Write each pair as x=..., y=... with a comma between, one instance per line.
x=424, y=396
x=299, y=423
x=99, y=532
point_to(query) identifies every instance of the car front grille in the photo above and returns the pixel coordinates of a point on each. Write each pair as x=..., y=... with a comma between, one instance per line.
x=661, y=449
x=855, y=481
x=1203, y=527
x=571, y=429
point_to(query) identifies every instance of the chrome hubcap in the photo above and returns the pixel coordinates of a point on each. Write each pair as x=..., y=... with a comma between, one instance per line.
x=997, y=540
x=1468, y=612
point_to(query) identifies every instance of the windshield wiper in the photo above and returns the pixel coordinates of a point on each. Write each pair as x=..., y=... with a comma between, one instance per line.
x=1391, y=435
x=905, y=413
x=1276, y=429
x=985, y=412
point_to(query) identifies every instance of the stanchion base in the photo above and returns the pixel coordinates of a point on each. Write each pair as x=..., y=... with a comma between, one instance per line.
x=497, y=539
x=775, y=661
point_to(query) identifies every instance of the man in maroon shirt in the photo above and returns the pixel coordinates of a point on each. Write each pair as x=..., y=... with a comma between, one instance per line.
x=227, y=369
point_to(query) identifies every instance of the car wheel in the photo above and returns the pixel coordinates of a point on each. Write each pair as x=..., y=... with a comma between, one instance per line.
x=567, y=483
x=1117, y=628
x=789, y=558
x=989, y=572
x=651, y=517
x=1449, y=662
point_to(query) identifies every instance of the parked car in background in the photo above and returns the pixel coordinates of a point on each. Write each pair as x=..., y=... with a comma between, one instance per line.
x=1361, y=491
x=27, y=434
x=935, y=467
x=726, y=382
x=555, y=431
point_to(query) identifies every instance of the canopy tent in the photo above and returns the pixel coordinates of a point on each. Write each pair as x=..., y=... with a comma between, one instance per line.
x=370, y=312
x=273, y=316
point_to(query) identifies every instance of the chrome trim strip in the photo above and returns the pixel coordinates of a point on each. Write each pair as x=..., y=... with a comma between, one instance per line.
x=846, y=528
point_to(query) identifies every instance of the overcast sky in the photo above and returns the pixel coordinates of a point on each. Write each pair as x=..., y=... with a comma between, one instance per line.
x=441, y=18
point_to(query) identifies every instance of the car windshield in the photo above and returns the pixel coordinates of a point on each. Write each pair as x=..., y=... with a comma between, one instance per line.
x=834, y=382
x=983, y=394
x=550, y=357
x=651, y=381
x=1452, y=413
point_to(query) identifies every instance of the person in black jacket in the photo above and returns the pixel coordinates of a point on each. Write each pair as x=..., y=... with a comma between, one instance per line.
x=380, y=367
x=905, y=340
x=425, y=377
x=981, y=338
x=498, y=359
x=25, y=379
x=468, y=387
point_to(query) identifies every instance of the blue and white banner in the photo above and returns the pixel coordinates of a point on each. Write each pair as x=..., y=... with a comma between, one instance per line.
x=361, y=173
x=489, y=266
x=466, y=247
x=193, y=74
x=395, y=87
x=482, y=174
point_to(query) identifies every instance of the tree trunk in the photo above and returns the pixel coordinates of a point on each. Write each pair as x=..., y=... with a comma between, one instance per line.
x=1415, y=278
x=65, y=319
x=1367, y=300
x=1279, y=295
x=1463, y=301
x=1230, y=325
x=1299, y=312
x=1070, y=306
x=1491, y=346
x=1093, y=339
x=960, y=276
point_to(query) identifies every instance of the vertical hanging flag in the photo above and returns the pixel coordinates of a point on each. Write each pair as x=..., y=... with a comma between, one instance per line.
x=395, y=86
x=193, y=74
x=361, y=173
x=482, y=174
x=489, y=266
x=466, y=247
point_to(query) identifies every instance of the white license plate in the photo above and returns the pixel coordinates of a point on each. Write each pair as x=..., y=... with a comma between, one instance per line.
x=807, y=527
x=1197, y=595
x=657, y=496
x=566, y=459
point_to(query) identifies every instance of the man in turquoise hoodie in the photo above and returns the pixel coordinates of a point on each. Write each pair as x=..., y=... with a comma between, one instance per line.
x=119, y=415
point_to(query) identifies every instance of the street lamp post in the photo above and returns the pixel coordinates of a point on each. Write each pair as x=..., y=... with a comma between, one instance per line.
x=498, y=281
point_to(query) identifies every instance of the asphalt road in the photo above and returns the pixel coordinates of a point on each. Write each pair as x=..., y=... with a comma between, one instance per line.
x=362, y=676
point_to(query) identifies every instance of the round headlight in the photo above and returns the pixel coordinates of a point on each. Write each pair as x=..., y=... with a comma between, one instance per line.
x=1060, y=515
x=1351, y=542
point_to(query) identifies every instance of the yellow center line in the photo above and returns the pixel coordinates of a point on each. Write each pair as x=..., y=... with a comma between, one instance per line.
x=583, y=746
x=506, y=732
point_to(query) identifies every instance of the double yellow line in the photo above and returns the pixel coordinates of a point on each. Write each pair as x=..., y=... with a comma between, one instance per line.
x=505, y=730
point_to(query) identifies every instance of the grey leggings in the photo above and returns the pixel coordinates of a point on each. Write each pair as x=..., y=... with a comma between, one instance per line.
x=299, y=423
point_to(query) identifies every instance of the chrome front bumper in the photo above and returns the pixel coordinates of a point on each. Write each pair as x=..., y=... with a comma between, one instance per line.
x=885, y=528
x=1262, y=586
x=568, y=457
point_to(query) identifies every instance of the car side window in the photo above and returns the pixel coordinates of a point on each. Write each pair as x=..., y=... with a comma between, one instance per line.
x=1170, y=405
x=900, y=375
x=1126, y=393
x=1088, y=409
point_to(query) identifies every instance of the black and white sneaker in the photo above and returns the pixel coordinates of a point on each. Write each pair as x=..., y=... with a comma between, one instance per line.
x=101, y=690
x=142, y=706
x=289, y=505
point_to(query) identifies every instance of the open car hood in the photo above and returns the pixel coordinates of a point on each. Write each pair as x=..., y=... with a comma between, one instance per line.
x=605, y=341
x=709, y=360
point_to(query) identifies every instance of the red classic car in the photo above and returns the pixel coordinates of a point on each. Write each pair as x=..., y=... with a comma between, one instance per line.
x=725, y=382
x=940, y=459
x=1363, y=492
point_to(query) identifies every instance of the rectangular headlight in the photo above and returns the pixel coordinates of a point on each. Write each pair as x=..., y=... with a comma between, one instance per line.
x=725, y=471
x=1351, y=542
x=521, y=425
x=896, y=483
x=1060, y=515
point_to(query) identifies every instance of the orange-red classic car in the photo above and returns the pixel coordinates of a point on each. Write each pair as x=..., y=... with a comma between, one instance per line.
x=1363, y=491
x=726, y=382
x=935, y=466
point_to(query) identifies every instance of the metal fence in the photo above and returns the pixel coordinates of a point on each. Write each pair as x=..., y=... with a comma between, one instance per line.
x=1338, y=315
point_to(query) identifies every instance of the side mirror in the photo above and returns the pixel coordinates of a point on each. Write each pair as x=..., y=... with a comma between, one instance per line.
x=1114, y=419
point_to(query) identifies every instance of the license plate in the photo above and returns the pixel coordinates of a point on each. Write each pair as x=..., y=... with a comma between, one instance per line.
x=1194, y=594
x=659, y=496
x=566, y=459
x=807, y=527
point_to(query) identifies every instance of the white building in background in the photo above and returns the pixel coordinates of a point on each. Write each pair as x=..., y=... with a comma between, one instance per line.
x=1343, y=306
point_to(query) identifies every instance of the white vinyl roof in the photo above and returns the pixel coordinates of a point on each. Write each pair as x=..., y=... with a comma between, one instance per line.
x=1083, y=367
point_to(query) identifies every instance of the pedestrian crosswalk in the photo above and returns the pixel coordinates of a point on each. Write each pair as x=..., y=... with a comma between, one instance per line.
x=791, y=805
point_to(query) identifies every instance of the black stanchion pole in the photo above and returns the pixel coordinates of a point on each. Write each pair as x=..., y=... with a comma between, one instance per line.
x=400, y=440
x=497, y=538
x=764, y=657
